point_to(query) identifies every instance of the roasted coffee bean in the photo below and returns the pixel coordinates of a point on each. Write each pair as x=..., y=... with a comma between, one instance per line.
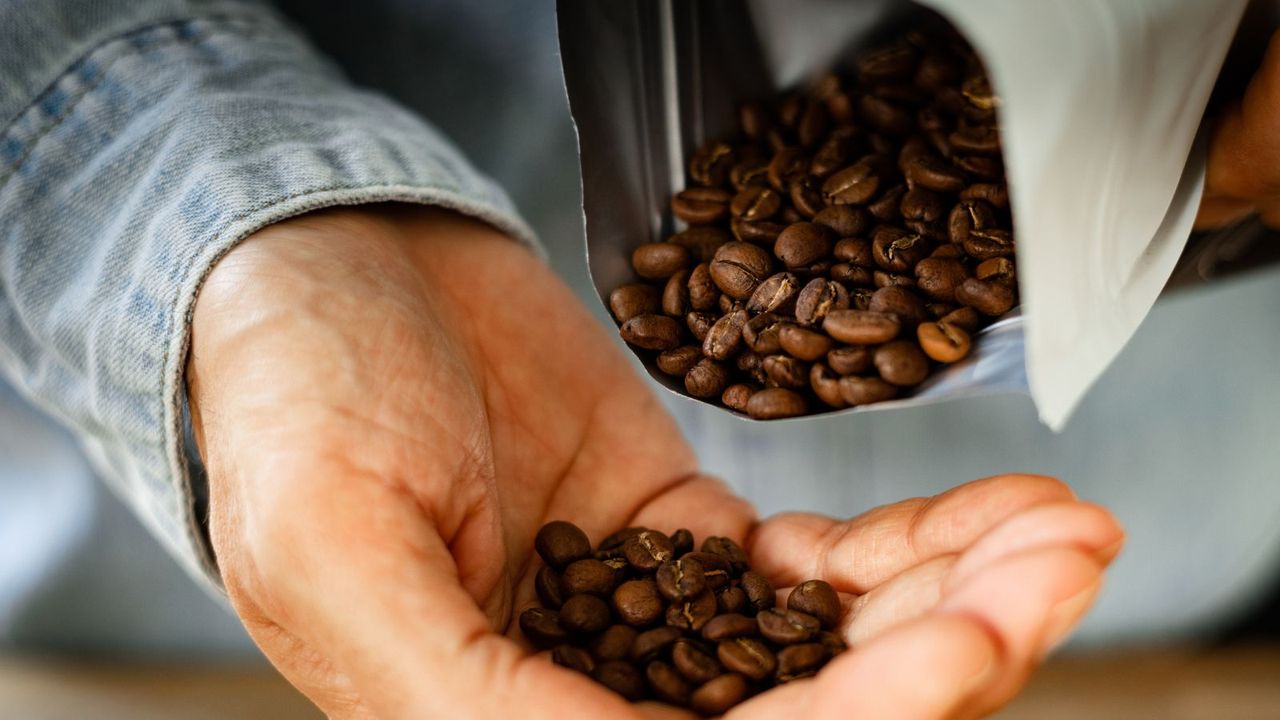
x=816, y=598
x=988, y=298
x=855, y=251
x=866, y=390
x=679, y=361
x=761, y=333
x=612, y=544
x=715, y=569
x=692, y=614
x=898, y=250
x=701, y=206
x=943, y=341
x=776, y=294
x=560, y=543
x=634, y=299
x=797, y=661
x=843, y=220
x=998, y=270
x=989, y=243
x=854, y=185
x=651, y=332
x=851, y=274
x=728, y=550
x=860, y=298
x=739, y=267
x=587, y=576
x=719, y=694
x=699, y=324
x=831, y=156
x=756, y=203
x=938, y=310
x=935, y=231
x=729, y=625
x=573, y=658
x=915, y=146
x=736, y=397
x=902, y=363
x=749, y=173
x=542, y=627
x=763, y=233
x=760, y=593
x=921, y=204
x=651, y=643
x=707, y=379
x=747, y=656
x=660, y=260
x=826, y=385
x=726, y=304
x=731, y=600
x=861, y=327
x=978, y=139
x=787, y=627
x=667, y=683
x=675, y=295
x=755, y=120
x=995, y=193
x=939, y=277
x=815, y=300
x=967, y=216
x=965, y=318
x=832, y=642
x=786, y=372
x=614, y=643
x=891, y=64
x=694, y=663
x=681, y=579
x=724, y=339
x=885, y=116
x=806, y=196
x=701, y=241
x=812, y=125
x=682, y=541
x=882, y=279
x=703, y=293
x=977, y=90
x=622, y=678
x=902, y=303
x=584, y=614
x=888, y=207
x=547, y=584
x=637, y=602
x=850, y=360
x=949, y=251
x=802, y=244
x=786, y=165
x=646, y=551
x=776, y=402
x=803, y=344
x=980, y=167
x=710, y=164
x=934, y=173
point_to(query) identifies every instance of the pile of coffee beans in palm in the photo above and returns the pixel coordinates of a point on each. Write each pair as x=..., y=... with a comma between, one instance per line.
x=850, y=240
x=649, y=617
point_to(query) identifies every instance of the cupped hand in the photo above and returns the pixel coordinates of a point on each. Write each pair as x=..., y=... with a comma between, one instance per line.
x=390, y=402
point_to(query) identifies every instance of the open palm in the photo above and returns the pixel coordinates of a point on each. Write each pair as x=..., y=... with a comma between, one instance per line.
x=390, y=402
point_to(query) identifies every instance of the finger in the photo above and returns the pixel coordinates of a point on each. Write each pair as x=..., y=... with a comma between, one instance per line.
x=925, y=669
x=700, y=503
x=904, y=597
x=859, y=554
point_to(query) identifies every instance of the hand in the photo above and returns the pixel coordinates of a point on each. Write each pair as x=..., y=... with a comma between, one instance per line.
x=390, y=402
x=1243, y=173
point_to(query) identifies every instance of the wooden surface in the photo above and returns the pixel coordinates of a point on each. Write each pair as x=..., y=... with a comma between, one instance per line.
x=1228, y=685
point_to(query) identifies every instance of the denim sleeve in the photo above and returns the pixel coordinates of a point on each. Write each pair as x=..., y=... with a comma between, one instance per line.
x=141, y=140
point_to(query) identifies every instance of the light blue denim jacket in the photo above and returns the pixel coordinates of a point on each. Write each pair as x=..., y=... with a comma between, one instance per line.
x=141, y=139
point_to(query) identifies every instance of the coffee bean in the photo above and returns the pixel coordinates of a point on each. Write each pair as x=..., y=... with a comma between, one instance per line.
x=682, y=541
x=724, y=339
x=978, y=139
x=832, y=642
x=943, y=341
x=646, y=551
x=797, y=661
x=667, y=683
x=988, y=298
x=882, y=279
x=573, y=658
x=948, y=251
x=560, y=543
x=702, y=291
x=715, y=569
x=739, y=267
x=860, y=298
x=701, y=241
x=710, y=164
x=728, y=550
x=678, y=361
x=747, y=656
x=692, y=614
x=902, y=363
x=939, y=277
x=761, y=333
x=786, y=372
x=854, y=185
x=587, y=576
x=816, y=300
x=812, y=124
x=787, y=164
x=980, y=167
x=806, y=196
x=995, y=193
x=729, y=625
x=621, y=677
x=634, y=299
x=802, y=244
x=816, y=598
x=547, y=584
x=651, y=332
x=660, y=260
x=831, y=156
x=804, y=344
x=584, y=614
x=884, y=115
x=787, y=627
x=921, y=204
x=760, y=594
x=888, y=207
x=989, y=243
x=707, y=379
x=611, y=546
x=826, y=385
x=775, y=294
x=675, y=295
x=937, y=69
x=754, y=120
x=681, y=579
x=736, y=397
x=699, y=324
x=855, y=251
x=652, y=643
x=542, y=627
x=614, y=643
x=843, y=220
x=894, y=63
x=967, y=216
x=762, y=232
x=748, y=173
x=998, y=270
x=851, y=274
x=965, y=318
x=731, y=600
x=701, y=206
x=718, y=695
x=934, y=173
x=901, y=303
x=637, y=602
x=861, y=327
x=695, y=664
x=897, y=250
x=850, y=360
x=756, y=203
x=866, y=390
x=774, y=403
x=938, y=310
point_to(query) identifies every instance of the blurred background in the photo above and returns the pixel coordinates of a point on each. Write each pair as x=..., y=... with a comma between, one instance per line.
x=1177, y=439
